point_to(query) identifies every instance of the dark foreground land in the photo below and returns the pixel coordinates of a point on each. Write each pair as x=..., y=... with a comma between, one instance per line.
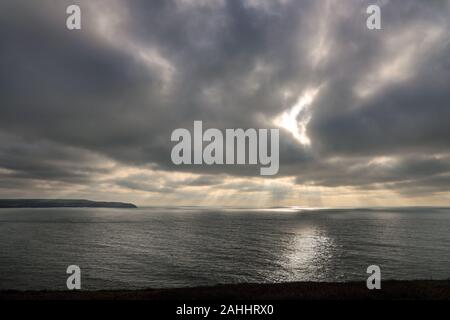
x=391, y=290
x=61, y=203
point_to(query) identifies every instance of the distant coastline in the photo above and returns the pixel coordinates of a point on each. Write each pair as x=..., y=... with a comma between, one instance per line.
x=61, y=203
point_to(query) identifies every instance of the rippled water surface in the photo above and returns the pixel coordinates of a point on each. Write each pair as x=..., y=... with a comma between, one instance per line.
x=172, y=247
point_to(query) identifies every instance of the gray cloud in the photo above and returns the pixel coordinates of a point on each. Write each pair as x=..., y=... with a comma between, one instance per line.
x=138, y=70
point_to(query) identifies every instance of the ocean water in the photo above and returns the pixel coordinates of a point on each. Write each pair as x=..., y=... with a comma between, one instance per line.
x=177, y=247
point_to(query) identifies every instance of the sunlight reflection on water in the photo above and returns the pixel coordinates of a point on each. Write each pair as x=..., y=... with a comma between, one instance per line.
x=172, y=247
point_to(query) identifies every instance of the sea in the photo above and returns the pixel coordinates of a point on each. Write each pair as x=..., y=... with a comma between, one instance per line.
x=163, y=247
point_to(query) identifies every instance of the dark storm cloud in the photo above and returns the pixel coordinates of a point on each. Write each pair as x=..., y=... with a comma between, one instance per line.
x=428, y=185
x=137, y=70
x=158, y=183
x=203, y=181
x=404, y=117
x=141, y=185
x=46, y=161
x=371, y=173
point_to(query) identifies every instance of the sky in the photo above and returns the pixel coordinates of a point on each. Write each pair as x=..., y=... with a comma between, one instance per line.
x=364, y=115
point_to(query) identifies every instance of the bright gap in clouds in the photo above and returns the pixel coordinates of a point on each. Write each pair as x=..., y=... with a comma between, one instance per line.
x=296, y=119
